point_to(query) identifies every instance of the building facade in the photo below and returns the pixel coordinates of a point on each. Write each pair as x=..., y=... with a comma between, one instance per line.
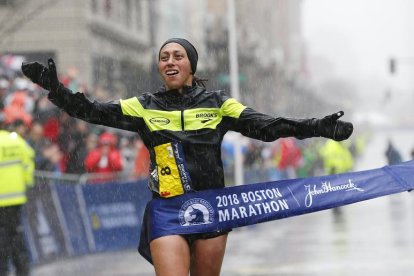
x=107, y=41
x=114, y=43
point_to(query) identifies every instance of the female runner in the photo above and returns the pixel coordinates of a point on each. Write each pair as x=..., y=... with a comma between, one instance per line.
x=183, y=117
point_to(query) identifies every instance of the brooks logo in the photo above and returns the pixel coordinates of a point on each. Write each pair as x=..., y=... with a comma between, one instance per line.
x=206, y=115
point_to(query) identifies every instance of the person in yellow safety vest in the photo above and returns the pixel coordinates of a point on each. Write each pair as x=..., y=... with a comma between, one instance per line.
x=16, y=174
x=336, y=158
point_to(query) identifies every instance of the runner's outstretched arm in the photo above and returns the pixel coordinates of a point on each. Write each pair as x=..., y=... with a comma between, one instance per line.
x=77, y=104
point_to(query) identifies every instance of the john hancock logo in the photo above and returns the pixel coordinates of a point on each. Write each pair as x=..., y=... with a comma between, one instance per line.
x=196, y=211
x=326, y=187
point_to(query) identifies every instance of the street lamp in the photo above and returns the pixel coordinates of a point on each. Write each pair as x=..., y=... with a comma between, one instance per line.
x=392, y=66
x=234, y=86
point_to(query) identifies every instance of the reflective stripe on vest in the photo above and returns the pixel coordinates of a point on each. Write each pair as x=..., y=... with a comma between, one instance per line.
x=10, y=163
x=12, y=195
x=11, y=199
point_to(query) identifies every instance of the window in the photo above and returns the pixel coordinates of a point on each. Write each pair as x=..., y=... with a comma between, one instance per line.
x=108, y=8
x=6, y=3
x=128, y=13
x=103, y=72
x=94, y=6
x=139, y=14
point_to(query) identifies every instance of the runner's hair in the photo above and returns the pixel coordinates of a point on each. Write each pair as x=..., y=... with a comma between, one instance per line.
x=199, y=81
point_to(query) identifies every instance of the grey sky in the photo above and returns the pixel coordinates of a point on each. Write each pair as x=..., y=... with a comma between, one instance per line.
x=359, y=36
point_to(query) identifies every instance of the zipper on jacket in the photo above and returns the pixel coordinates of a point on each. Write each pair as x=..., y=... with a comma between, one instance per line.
x=182, y=120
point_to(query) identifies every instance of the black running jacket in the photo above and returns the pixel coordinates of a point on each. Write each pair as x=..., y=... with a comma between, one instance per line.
x=183, y=132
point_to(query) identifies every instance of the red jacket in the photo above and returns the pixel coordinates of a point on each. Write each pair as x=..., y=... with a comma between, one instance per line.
x=96, y=163
x=291, y=155
x=106, y=158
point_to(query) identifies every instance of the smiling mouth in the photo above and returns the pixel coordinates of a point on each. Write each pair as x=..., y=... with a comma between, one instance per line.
x=171, y=72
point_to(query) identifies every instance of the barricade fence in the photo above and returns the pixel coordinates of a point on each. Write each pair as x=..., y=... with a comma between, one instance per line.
x=66, y=216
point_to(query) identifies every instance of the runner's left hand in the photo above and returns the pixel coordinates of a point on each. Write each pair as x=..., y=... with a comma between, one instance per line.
x=330, y=127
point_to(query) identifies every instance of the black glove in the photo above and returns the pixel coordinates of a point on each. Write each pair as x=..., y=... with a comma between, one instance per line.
x=53, y=78
x=41, y=75
x=330, y=127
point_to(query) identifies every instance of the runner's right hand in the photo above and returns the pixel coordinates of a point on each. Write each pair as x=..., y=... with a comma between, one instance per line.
x=41, y=75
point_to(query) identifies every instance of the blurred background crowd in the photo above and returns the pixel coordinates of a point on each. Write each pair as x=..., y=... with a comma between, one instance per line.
x=64, y=144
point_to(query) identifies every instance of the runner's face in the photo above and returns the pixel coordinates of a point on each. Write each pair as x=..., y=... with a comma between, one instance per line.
x=174, y=66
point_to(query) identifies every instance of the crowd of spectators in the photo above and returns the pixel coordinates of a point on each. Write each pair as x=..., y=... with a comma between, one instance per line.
x=285, y=158
x=64, y=144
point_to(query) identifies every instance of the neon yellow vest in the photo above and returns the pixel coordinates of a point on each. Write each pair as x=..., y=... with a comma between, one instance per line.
x=16, y=168
x=336, y=157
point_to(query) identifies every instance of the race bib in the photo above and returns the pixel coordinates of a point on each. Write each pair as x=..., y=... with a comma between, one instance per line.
x=173, y=176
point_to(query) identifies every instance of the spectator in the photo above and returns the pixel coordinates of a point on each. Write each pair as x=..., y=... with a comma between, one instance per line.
x=66, y=139
x=71, y=79
x=392, y=154
x=44, y=110
x=4, y=86
x=336, y=159
x=91, y=141
x=19, y=127
x=289, y=157
x=78, y=151
x=142, y=160
x=253, y=158
x=52, y=159
x=35, y=135
x=17, y=107
x=312, y=162
x=16, y=174
x=128, y=154
x=106, y=158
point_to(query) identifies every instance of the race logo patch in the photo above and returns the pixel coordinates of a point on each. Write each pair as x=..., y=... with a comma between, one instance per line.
x=196, y=211
x=206, y=117
x=161, y=121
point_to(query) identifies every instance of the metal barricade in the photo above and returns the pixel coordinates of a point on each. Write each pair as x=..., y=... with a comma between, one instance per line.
x=119, y=177
x=45, y=225
x=64, y=216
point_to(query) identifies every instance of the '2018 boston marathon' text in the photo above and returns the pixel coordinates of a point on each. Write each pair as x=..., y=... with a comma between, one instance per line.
x=249, y=204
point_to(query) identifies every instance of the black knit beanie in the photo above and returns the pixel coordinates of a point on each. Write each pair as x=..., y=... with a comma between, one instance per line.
x=189, y=48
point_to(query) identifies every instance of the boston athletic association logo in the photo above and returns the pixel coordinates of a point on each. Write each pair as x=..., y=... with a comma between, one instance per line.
x=196, y=211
